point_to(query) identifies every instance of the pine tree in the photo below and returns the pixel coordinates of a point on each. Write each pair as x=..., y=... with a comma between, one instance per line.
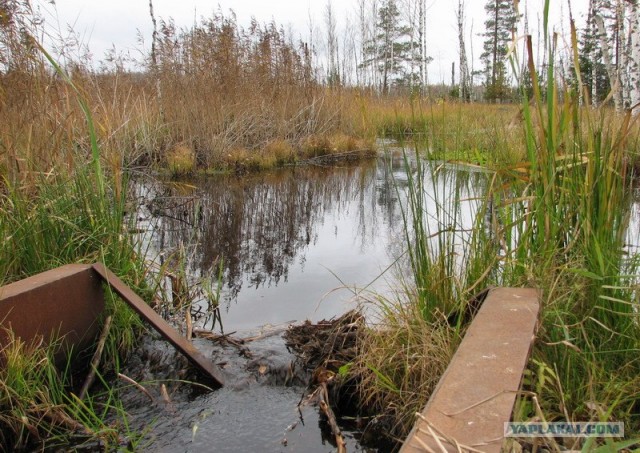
x=499, y=26
x=592, y=68
x=391, y=49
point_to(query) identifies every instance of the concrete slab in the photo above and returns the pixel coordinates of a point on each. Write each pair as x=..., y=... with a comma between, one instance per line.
x=476, y=394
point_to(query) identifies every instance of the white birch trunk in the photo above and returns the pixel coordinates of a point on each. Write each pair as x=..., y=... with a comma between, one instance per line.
x=464, y=66
x=633, y=68
x=614, y=79
x=592, y=56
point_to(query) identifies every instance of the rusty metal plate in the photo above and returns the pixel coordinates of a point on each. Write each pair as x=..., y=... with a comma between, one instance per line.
x=65, y=302
x=475, y=396
x=156, y=321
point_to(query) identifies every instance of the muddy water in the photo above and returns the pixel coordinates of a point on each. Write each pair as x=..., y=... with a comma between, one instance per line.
x=289, y=245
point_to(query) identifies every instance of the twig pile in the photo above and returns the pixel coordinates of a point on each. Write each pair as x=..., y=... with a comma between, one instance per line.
x=327, y=345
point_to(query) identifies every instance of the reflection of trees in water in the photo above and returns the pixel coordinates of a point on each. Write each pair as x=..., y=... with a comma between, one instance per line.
x=260, y=224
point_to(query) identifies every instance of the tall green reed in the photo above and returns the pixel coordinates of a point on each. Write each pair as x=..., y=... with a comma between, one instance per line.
x=451, y=253
x=557, y=221
x=450, y=257
x=566, y=231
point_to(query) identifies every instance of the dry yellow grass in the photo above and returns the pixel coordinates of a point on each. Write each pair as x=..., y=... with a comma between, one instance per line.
x=400, y=363
x=181, y=160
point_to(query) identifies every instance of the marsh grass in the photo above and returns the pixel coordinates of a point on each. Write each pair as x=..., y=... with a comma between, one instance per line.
x=73, y=213
x=399, y=364
x=63, y=221
x=38, y=407
x=483, y=134
x=571, y=242
x=557, y=219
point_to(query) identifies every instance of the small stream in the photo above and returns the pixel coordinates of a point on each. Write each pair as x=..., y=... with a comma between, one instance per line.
x=288, y=245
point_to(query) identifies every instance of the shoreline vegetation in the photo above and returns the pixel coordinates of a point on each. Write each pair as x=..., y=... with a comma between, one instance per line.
x=220, y=98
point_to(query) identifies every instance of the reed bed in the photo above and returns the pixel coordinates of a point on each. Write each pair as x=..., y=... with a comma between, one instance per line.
x=571, y=241
x=558, y=220
x=216, y=96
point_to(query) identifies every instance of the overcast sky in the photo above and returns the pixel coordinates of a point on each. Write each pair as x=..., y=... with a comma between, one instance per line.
x=104, y=24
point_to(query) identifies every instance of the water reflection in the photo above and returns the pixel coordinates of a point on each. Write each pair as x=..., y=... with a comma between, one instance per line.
x=266, y=228
x=288, y=238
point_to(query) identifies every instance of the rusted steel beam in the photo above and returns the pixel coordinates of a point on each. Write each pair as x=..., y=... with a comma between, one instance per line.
x=61, y=304
x=156, y=321
x=475, y=396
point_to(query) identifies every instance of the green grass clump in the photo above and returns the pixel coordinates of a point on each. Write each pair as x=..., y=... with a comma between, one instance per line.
x=36, y=407
x=181, y=160
x=571, y=241
x=399, y=364
x=59, y=220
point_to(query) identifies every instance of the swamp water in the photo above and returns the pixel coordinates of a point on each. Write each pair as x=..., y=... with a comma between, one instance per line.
x=288, y=245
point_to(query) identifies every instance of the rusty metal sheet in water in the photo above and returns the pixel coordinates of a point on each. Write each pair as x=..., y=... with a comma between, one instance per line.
x=63, y=303
x=168, y=332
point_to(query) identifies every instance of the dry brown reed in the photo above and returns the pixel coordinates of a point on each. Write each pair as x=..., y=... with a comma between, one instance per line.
x=400, y=363
x=217, y=89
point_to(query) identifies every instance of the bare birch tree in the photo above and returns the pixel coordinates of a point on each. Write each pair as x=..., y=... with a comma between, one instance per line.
x=154, y=59
x=633, y=56
x=333, y=70
x=464, y=86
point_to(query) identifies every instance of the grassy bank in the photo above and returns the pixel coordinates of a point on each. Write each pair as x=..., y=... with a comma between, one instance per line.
x=73, y=212
x=56, y=219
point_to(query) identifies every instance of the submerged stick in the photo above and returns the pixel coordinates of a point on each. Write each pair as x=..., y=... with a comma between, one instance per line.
x=95, y=361
x=323, y=402
x=189, y=323
x=267, y=334
x=165, y=394
x=226, y=338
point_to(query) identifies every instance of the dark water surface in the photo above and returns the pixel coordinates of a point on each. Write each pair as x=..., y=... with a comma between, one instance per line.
x=293, y=244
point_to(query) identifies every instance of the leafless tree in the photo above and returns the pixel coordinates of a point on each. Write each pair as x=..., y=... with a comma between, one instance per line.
x=464, y=87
